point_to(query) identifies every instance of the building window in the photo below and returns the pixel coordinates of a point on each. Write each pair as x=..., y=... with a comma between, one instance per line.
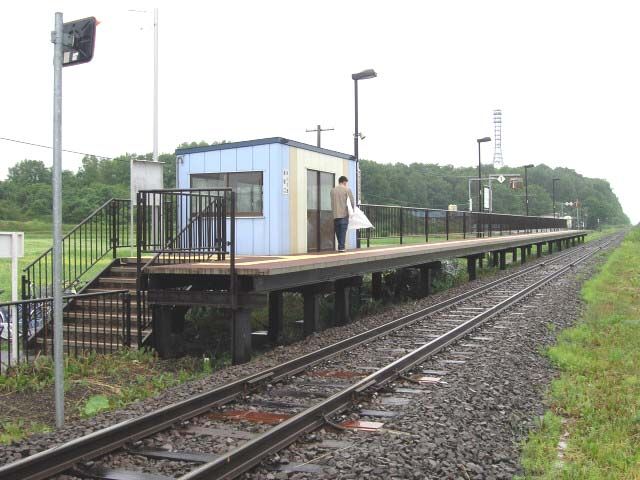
x=247, y=185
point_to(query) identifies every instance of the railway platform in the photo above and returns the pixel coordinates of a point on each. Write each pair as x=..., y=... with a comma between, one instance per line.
x=262, y=280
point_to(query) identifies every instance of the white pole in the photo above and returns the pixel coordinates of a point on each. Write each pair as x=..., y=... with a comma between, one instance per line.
x=58, y=365
x=155, y=84
x=14, y=298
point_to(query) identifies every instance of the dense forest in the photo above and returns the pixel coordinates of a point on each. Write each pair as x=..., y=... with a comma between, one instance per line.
x=26, y=192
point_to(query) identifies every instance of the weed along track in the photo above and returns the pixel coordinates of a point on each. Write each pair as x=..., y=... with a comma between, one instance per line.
x=230, y=429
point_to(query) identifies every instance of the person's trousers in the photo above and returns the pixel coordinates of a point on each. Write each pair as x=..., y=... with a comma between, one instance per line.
x=340, y=225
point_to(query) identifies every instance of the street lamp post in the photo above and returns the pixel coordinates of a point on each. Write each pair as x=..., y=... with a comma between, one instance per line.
x=554, y=195
x=363, y=75
x=480, y=140
x=526, y=188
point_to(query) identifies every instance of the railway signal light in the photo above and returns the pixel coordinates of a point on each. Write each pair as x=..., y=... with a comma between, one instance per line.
x=78, y=41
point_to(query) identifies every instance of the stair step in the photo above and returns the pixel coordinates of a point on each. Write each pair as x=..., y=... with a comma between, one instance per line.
x=94, y=346
x=102, y=289
x=117, y=280
x=97, y=315
x=124, y=271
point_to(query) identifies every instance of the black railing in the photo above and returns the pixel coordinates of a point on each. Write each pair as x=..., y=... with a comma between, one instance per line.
x=104, y=231
x=417, y=225
x=183, y=226
x=92, y=322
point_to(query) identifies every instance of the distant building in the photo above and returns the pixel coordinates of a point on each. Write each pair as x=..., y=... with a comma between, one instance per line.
x=282, y=187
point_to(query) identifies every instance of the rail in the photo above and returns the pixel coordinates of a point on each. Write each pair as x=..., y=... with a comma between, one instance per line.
x=102, y=232
x=183, y=226
x=93, y=322
x=418, y=225
x=58, y=459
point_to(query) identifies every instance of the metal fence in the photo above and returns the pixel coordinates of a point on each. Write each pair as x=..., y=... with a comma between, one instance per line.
x=417, y=225
x=93, y=322
x=183, y=226
x=104, y=231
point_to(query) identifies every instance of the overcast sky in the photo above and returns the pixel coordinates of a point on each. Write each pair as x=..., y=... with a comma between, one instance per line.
x=565, y=74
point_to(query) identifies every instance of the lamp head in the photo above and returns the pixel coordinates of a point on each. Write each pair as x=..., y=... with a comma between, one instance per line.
x=484, y=139
x=365, y=74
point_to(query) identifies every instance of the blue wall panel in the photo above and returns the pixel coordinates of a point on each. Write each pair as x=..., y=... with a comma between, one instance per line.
x=244, y=159
x=196, y=163
x=228, y=160
x=212, y=162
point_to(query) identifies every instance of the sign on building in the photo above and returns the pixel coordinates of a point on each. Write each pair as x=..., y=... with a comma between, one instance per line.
x=145, y=175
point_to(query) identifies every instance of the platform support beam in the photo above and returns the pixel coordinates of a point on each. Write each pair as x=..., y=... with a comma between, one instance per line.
x=538, y=250
x=559, y=245
x=311, y=301
x=276, y=317
x=503, y=259
x=341, y=302
x=471, y=267
x=523, y=255
x=495, y=259
x=529, y=247
x=514, y=255
x=480, y=260
x=550, y=247
x=241, y=336
x=376, y=285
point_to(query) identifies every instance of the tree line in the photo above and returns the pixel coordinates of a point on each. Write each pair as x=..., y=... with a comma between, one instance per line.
x=438, y=186
x=26, y=192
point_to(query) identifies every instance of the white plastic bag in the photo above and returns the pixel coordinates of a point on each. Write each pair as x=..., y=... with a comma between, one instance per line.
x=357, y=218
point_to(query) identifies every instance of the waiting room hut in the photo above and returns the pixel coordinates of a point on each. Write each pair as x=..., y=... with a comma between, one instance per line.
x=283, y=205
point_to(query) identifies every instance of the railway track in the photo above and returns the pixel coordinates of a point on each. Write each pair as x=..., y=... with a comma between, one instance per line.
x=230, y=429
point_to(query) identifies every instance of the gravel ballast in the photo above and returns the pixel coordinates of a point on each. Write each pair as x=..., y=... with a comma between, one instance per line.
x=470, y=424
x=495, y=393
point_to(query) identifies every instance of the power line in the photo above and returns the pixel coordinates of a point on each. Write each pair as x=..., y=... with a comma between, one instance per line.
x=47, y=146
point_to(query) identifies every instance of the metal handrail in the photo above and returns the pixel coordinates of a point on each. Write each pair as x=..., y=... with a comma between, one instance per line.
x=103, y=231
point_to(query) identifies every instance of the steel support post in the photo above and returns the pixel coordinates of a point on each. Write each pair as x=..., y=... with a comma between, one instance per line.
x=376, y=285
x=311, y=300
x=514, y=255
x=503, y=259
x=559, y=245
x=425, y=280
x=480, y=260
x=538, y=250
x=471, y=267
x=276, y=317
x=341, y=303
x=168, y=326
x=550, y=247
x=523, y=255
x=241, y=336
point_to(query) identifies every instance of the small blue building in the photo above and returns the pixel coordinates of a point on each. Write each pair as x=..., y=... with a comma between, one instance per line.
x=283, y=205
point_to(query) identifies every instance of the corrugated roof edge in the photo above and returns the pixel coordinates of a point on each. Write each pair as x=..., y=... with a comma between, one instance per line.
x=263, y=141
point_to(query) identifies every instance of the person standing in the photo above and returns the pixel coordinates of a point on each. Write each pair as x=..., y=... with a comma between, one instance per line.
x=340, y=194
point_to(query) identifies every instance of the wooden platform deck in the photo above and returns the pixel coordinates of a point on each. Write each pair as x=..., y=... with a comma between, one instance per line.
x=316, y=267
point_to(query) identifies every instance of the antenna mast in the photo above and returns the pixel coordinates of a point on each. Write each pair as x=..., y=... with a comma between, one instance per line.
x=497, y=139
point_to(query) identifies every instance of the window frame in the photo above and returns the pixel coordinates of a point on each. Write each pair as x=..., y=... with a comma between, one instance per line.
x=226, y=185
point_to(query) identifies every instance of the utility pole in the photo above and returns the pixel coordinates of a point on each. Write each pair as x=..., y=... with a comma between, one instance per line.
x=319, y=130
x=155, y=85
x=58, y=360
x=73, y=44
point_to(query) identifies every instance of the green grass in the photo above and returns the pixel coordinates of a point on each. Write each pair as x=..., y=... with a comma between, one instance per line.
x=37, y=239
x=93, y=383
x=598, y=393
